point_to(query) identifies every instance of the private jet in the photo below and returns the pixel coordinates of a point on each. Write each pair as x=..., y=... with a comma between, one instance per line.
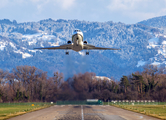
x=77, y=44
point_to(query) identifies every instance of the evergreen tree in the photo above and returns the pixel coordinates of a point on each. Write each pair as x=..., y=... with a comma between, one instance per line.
x=124, y=83
x=138, y=81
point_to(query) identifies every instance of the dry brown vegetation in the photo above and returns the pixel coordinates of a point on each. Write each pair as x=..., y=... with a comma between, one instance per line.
x=28, y=83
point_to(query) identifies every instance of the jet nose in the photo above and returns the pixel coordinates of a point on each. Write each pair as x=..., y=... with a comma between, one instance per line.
x=77, y=36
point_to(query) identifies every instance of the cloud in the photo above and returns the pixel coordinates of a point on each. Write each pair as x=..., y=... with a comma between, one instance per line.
x=137, y=9
x=43, y=4
x=162, y=11
x=127, y=11
x=40, y=4
x=140, y=15
x=35, y=1
x=123, y=4
x=18, y=1
x=3, y=3
x=66, y=4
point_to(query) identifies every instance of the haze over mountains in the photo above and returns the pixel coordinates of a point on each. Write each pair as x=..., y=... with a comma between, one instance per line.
x=142, y=43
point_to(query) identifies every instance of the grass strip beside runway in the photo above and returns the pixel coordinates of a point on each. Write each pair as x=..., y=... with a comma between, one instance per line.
x=158, y=111
x=8, y=110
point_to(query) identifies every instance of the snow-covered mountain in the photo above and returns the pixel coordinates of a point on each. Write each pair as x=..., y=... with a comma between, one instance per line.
x=140, y=44
x=155, y=22
x=158, y=42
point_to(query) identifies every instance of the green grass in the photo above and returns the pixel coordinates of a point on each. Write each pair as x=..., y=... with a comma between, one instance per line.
x=135, y=103
x=158, y=111
x=8, y=110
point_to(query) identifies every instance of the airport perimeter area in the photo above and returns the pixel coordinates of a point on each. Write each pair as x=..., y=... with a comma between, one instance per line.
x=83, y=112
x=88, y=110
x=92, y=110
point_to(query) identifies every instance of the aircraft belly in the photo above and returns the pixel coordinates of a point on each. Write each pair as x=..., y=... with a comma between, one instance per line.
x=78, y=42
x=77, y=47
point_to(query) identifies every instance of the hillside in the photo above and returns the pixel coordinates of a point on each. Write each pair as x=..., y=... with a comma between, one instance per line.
x=139, y=45
x=155, y=22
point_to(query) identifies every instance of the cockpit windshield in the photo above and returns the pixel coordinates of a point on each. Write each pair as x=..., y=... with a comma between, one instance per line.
x=77, y=30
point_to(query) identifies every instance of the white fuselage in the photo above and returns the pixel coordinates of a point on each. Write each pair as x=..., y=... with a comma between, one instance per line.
x=77, y=40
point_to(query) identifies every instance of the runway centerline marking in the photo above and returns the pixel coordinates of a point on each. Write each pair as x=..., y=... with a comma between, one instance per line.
x=82, y=112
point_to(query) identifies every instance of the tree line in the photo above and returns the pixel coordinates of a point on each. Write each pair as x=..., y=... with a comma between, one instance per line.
x=28, y=83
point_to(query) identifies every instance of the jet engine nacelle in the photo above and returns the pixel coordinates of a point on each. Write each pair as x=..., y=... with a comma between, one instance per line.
x=69, y=42
x=85, y=42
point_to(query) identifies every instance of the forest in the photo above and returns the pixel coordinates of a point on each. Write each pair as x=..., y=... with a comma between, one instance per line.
x=30, y=84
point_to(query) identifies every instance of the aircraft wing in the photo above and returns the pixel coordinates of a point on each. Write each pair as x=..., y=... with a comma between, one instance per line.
x=65, y=46
x=90, y=47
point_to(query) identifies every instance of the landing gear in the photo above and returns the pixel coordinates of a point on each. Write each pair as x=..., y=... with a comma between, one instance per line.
x=67, y=53
x=87, y=53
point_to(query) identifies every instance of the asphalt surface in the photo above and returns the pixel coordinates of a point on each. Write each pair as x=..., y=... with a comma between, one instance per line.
x=83, y=112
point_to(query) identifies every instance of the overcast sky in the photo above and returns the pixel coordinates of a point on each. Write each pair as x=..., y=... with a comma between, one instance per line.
x=126, y=11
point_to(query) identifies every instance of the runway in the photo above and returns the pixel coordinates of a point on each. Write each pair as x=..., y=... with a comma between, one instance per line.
x=83, y=112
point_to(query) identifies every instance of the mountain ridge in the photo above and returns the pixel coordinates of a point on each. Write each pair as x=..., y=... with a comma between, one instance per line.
x=155, y=22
